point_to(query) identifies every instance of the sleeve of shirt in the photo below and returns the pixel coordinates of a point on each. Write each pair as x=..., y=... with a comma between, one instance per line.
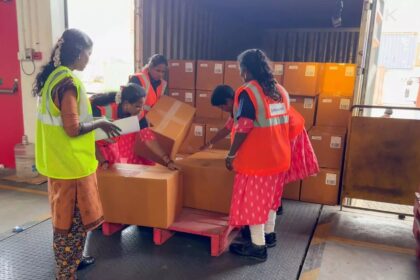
x=246, y=108
x=135, y=80
x=143, y=123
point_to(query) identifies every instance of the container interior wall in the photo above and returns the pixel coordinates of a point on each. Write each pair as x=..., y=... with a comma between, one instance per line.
x=188, y=29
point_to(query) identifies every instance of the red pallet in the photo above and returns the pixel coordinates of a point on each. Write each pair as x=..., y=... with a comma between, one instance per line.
x=199, y=222
x=111, y=228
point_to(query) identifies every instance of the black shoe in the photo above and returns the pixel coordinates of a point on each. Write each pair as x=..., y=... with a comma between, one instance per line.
x=270, y=240
x=86, y=261
x=246, y=233
x=280, y=211
x=250, y=250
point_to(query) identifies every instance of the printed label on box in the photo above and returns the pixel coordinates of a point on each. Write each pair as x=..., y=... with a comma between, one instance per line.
x=318, y=138
x=204, y=65
x=293, y=67
x=189, y=67
x=175, y=64
x=189, y=97
x=344, y=104
x=308, y=103
x=335, y=142
x=293, y=100
x=198, y=130
x=203, y=95
x=333, y=68
x=278, y=69
x=175, y=93
x=331, y=179
x=349, y=71
x=232, y=66
x=327, y=100
x=218, y=68
x=310, y=71
x=214, y=129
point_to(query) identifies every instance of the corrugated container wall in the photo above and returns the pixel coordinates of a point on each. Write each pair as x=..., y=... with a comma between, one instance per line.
x=178, y=29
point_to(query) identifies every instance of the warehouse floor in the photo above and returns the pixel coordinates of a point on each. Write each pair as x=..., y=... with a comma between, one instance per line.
x=347, y=244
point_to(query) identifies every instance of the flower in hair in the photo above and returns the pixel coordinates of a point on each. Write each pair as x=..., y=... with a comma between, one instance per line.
x=57, y=53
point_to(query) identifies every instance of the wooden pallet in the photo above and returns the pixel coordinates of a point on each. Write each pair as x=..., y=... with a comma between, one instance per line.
x=199, y=222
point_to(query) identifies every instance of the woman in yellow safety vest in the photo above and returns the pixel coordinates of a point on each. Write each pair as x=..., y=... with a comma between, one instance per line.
x=65, y=150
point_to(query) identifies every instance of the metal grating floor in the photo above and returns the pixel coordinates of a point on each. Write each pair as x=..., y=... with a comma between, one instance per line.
x=131, y=254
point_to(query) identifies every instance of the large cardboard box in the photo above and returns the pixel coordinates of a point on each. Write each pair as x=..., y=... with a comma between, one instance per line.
x=333, y=111
x=182, y=74
x=301, y=78
x=337, y=79
x=140, y=195
x=212, y=128
x=209, y=74
x=185, y=95
x=278, y=70
x=171, y=120
x=329, y=145
x=195, y=138
x=323, y=188
x=306, y=106
x=204, y=107
x=292, y=191
x=232, y=75
x=207, y=183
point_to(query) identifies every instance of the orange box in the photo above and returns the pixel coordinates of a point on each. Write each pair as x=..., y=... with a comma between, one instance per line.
x=323, y=188
x=195, y=138
x=301, y=78
x=306, y=106
x=209, y=74
x=278, y=71
x=328, y=144
x=184, y=95
x=337, y=79
x=333, y=111
x=207, y=183
x=232, y=75
x=204, y=107
x=292, y=191
x=140, y=195
x=212, y=127
x=182, y=74
x=171, y=120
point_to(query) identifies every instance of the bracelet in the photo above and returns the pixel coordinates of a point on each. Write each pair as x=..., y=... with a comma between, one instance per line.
x=234, y=156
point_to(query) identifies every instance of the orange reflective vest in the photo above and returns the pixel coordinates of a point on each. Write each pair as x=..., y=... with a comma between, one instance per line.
x=109, y=111
x=152, y=96
x=266, y=150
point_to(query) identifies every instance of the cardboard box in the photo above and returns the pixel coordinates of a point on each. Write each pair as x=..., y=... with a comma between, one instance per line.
x=195, y=138
x=209, y=74
x=278, y=70
x=207, y=183
x=204, y=107
x=306, y=106
x=212, y=128
x=301, y=78
x=140, y=195
x=333, y=111
x=337, y=79
x=182, y=74
x=184, y=95
x=328, y=144
x=292, y=191
x=171, y=120
x=232, y=75
x=323, y=188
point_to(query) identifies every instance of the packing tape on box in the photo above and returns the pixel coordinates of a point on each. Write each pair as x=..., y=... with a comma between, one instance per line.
x=169, y=116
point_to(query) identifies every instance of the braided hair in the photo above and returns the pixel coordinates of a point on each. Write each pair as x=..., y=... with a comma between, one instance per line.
x=256, y=63
x=66, y=52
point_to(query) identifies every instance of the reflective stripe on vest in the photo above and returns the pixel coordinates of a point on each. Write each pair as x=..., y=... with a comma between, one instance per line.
x=109, y=111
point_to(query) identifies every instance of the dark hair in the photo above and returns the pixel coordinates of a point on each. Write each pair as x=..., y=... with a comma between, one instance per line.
x=221, y=94
x=256, y=63
x=156, y=60
x=69, y=46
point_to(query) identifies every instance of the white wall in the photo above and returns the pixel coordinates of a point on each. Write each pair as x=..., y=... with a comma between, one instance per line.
x=40, y=24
